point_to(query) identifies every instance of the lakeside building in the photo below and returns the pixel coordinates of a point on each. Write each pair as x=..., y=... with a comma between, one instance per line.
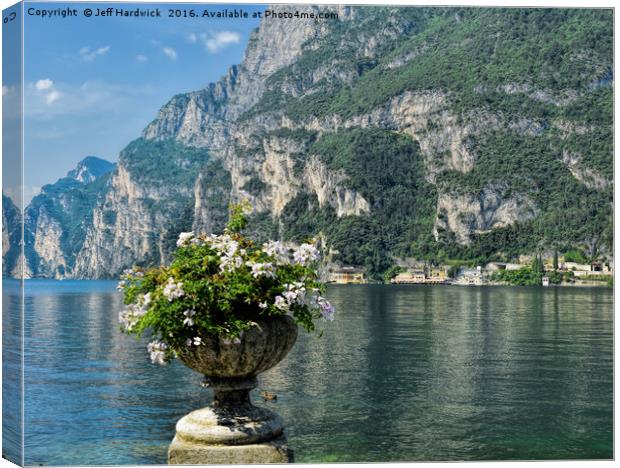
x=470, y=276
x=496, y=266
x=574, y=266
x=347, y=275
x=595, y=268
x=433, y=275
x=410, y=277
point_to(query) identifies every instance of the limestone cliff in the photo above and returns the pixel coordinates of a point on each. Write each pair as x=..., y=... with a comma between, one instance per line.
x=11, y=236
x=422, y=132
x=56, y=220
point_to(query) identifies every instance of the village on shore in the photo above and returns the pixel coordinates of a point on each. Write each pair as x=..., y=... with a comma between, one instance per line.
x=548, y=272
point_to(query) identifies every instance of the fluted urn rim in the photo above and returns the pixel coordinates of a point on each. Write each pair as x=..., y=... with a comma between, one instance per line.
x=258, y=349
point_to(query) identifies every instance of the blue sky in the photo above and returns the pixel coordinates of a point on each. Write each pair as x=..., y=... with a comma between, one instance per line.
x=92, y=84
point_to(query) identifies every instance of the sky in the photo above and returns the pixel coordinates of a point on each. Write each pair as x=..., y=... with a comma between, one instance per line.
x=91, y=85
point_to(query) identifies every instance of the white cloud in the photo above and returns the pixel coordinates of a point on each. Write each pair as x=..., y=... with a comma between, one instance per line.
x=5, y=90
x=46, y=91
x=89, y=55
x=52, y=97
x=88, y=98
x=142, y=58
x=192, y=38
x=44, y=84
x=170, y=52
x=214, y=42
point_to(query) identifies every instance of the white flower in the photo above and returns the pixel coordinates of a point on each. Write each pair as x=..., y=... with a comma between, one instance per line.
x=262, y=269
x=197, y=241
x=173, y=290
x=318, y=303
x=146, y=299
x=277, y=250
x=281, y=303
x=158, y=352
x=185, y=238
x=306, y=253
x=229, y=263
x=197, y=341
x=327, y=310
x=189, y=321
x=224, y=244
x=290, y=296
x=130, y=317
x=295, y=293
x=262, y=305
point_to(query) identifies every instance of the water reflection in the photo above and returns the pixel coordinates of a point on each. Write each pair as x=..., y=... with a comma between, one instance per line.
x=404, y=373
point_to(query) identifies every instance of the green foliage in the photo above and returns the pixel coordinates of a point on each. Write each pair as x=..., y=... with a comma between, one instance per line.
x=523, y=277
x=531, y=276
x=469, y=55
x=458, y=50
x=302, y=218
x=221, y=286
x=555, y=277
x=254, y=186
x=607, y=279
x=238, y=220
x=387, y=170
x=392, y=272
x=569, y=211
x=109, y=217
x=168, y=160
x=576, y=256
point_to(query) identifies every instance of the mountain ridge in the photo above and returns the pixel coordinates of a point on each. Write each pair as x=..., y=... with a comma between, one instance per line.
x=436, y=133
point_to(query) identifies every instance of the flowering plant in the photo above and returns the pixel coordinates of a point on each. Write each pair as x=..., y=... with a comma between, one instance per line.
x=220, y=285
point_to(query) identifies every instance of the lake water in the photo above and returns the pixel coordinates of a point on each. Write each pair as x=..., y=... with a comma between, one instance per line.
x=403, y=373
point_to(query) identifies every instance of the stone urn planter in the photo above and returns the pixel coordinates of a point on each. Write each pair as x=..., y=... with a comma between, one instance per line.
x=232, y=430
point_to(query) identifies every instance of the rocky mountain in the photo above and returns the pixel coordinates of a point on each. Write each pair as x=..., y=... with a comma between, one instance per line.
x=434, y=133
x=11, y=236
x=90, y=169
x=56, y=220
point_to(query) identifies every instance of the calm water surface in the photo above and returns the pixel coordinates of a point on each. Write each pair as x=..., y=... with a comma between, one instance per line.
x=403, y=373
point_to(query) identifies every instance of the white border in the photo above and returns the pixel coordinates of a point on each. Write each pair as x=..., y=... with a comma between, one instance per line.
x=506, y=3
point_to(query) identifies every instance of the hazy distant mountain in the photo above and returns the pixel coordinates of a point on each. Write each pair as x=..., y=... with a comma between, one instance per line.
x=56, y=220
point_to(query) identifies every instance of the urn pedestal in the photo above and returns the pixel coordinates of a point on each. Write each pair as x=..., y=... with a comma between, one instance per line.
x=232, y=430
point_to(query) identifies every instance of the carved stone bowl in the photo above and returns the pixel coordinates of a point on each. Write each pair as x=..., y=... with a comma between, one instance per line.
x=258, y=349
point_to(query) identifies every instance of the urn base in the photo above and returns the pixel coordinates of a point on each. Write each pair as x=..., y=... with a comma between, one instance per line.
x=182, y=452
x=232, y=430
x=229, y=434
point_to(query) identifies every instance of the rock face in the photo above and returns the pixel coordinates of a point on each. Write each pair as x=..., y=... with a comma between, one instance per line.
x=149, y=200
x=90, y=169
x=202, y=118
x=382, y=131
x=56, y=220
x=468, y=213
x=11, y=237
